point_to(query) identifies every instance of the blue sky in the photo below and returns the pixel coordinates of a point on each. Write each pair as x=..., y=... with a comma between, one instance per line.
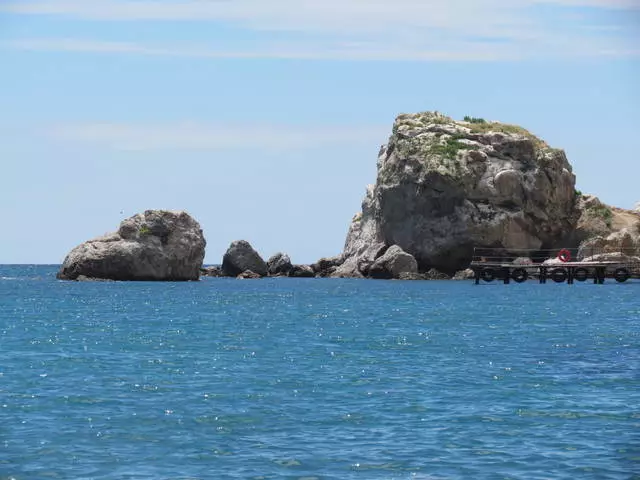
x=263, y=119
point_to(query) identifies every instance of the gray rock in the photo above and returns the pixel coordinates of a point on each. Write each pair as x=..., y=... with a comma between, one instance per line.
x=154, y=245
x=326, y=267
x=466, y=274
x=248, y=275
x=279, y=264
x=411, y=276
x=444, y=187
x=434, y=274
x=239, y=257
x=302, y=271
x=211, y=272
x=392, y=263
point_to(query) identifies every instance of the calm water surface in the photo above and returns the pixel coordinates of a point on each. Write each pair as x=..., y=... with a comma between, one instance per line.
x=317, y=379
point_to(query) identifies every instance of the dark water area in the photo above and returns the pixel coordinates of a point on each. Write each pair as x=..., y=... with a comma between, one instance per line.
x=317, y=379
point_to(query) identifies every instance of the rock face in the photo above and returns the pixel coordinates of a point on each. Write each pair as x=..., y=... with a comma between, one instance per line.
x=445, y=186
x=154, y=245
x=240, y=257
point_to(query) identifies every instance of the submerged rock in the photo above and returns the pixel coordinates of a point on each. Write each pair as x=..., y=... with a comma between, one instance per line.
x=241, y=256
x=154, y=245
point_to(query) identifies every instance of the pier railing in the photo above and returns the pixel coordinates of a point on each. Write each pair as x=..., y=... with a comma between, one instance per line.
x=597, y=262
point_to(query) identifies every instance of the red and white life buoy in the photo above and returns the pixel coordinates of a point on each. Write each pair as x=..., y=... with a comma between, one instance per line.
x=564, y=255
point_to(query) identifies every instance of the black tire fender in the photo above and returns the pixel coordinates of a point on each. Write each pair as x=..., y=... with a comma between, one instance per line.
x=558, y=275
x=581, y=274
x=487, y=274
x=621, y=275
x=519, y=275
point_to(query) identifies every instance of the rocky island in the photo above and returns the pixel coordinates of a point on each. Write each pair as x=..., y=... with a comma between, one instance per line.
x=154, y=245
x=443, y=187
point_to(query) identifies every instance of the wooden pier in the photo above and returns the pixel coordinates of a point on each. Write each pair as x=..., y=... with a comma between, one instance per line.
x=519, y=266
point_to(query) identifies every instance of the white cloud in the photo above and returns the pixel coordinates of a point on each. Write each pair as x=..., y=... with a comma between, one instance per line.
x=194, y=136
x=355, y=29
x=309, y=51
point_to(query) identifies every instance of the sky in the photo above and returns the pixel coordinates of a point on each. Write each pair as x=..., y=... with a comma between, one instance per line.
x=263, y=119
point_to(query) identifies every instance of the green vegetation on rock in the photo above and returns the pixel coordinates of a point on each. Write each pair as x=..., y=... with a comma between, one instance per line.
x=144, y=230
x=474, y=119
x=603, y=212
x=451, y=147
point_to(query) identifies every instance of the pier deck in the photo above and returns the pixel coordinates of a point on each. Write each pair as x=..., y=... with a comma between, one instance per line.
x=555, y=265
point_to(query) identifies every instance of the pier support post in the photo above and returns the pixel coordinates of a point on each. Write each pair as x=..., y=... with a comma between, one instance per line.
x=506, y=275
x=570, y=275
x=476, y=275
x=543, y=274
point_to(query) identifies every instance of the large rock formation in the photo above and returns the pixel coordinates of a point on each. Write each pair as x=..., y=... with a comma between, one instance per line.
x=444, y=187
x=240, y=257
x=154, y=245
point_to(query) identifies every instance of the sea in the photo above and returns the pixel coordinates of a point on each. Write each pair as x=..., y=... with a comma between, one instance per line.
x=314, y=379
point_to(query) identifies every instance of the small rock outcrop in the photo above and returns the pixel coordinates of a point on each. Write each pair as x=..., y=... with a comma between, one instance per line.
x=466, y=274
x=279, y=265
x=248, y=275
x=393, y=263
x=325, y=267
x=302, y=271
x=154, y=245
x=445, y=186
x=211, y=272
x=240, y=257
x=434, y=274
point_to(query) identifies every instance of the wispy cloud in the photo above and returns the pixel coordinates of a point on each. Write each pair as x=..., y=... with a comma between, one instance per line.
x=194, y=136
x=308, y=51
x=354, y=29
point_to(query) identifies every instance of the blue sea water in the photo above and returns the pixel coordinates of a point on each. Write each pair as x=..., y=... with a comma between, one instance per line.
x=317, y=379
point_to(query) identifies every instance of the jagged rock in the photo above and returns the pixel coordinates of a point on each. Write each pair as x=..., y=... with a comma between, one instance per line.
x=211, y=272
x=326, y=267
x=241, y=256
x=445, y=186
x=84, y=278
x=154, y=245
x=466, y=274
x=279, y=265
x=248, y=274
x=612, y=257
x=392, y=263
x=434, y=274
x=302, y=271
x=411, y=276
x=623, y=241
x=349, y=269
